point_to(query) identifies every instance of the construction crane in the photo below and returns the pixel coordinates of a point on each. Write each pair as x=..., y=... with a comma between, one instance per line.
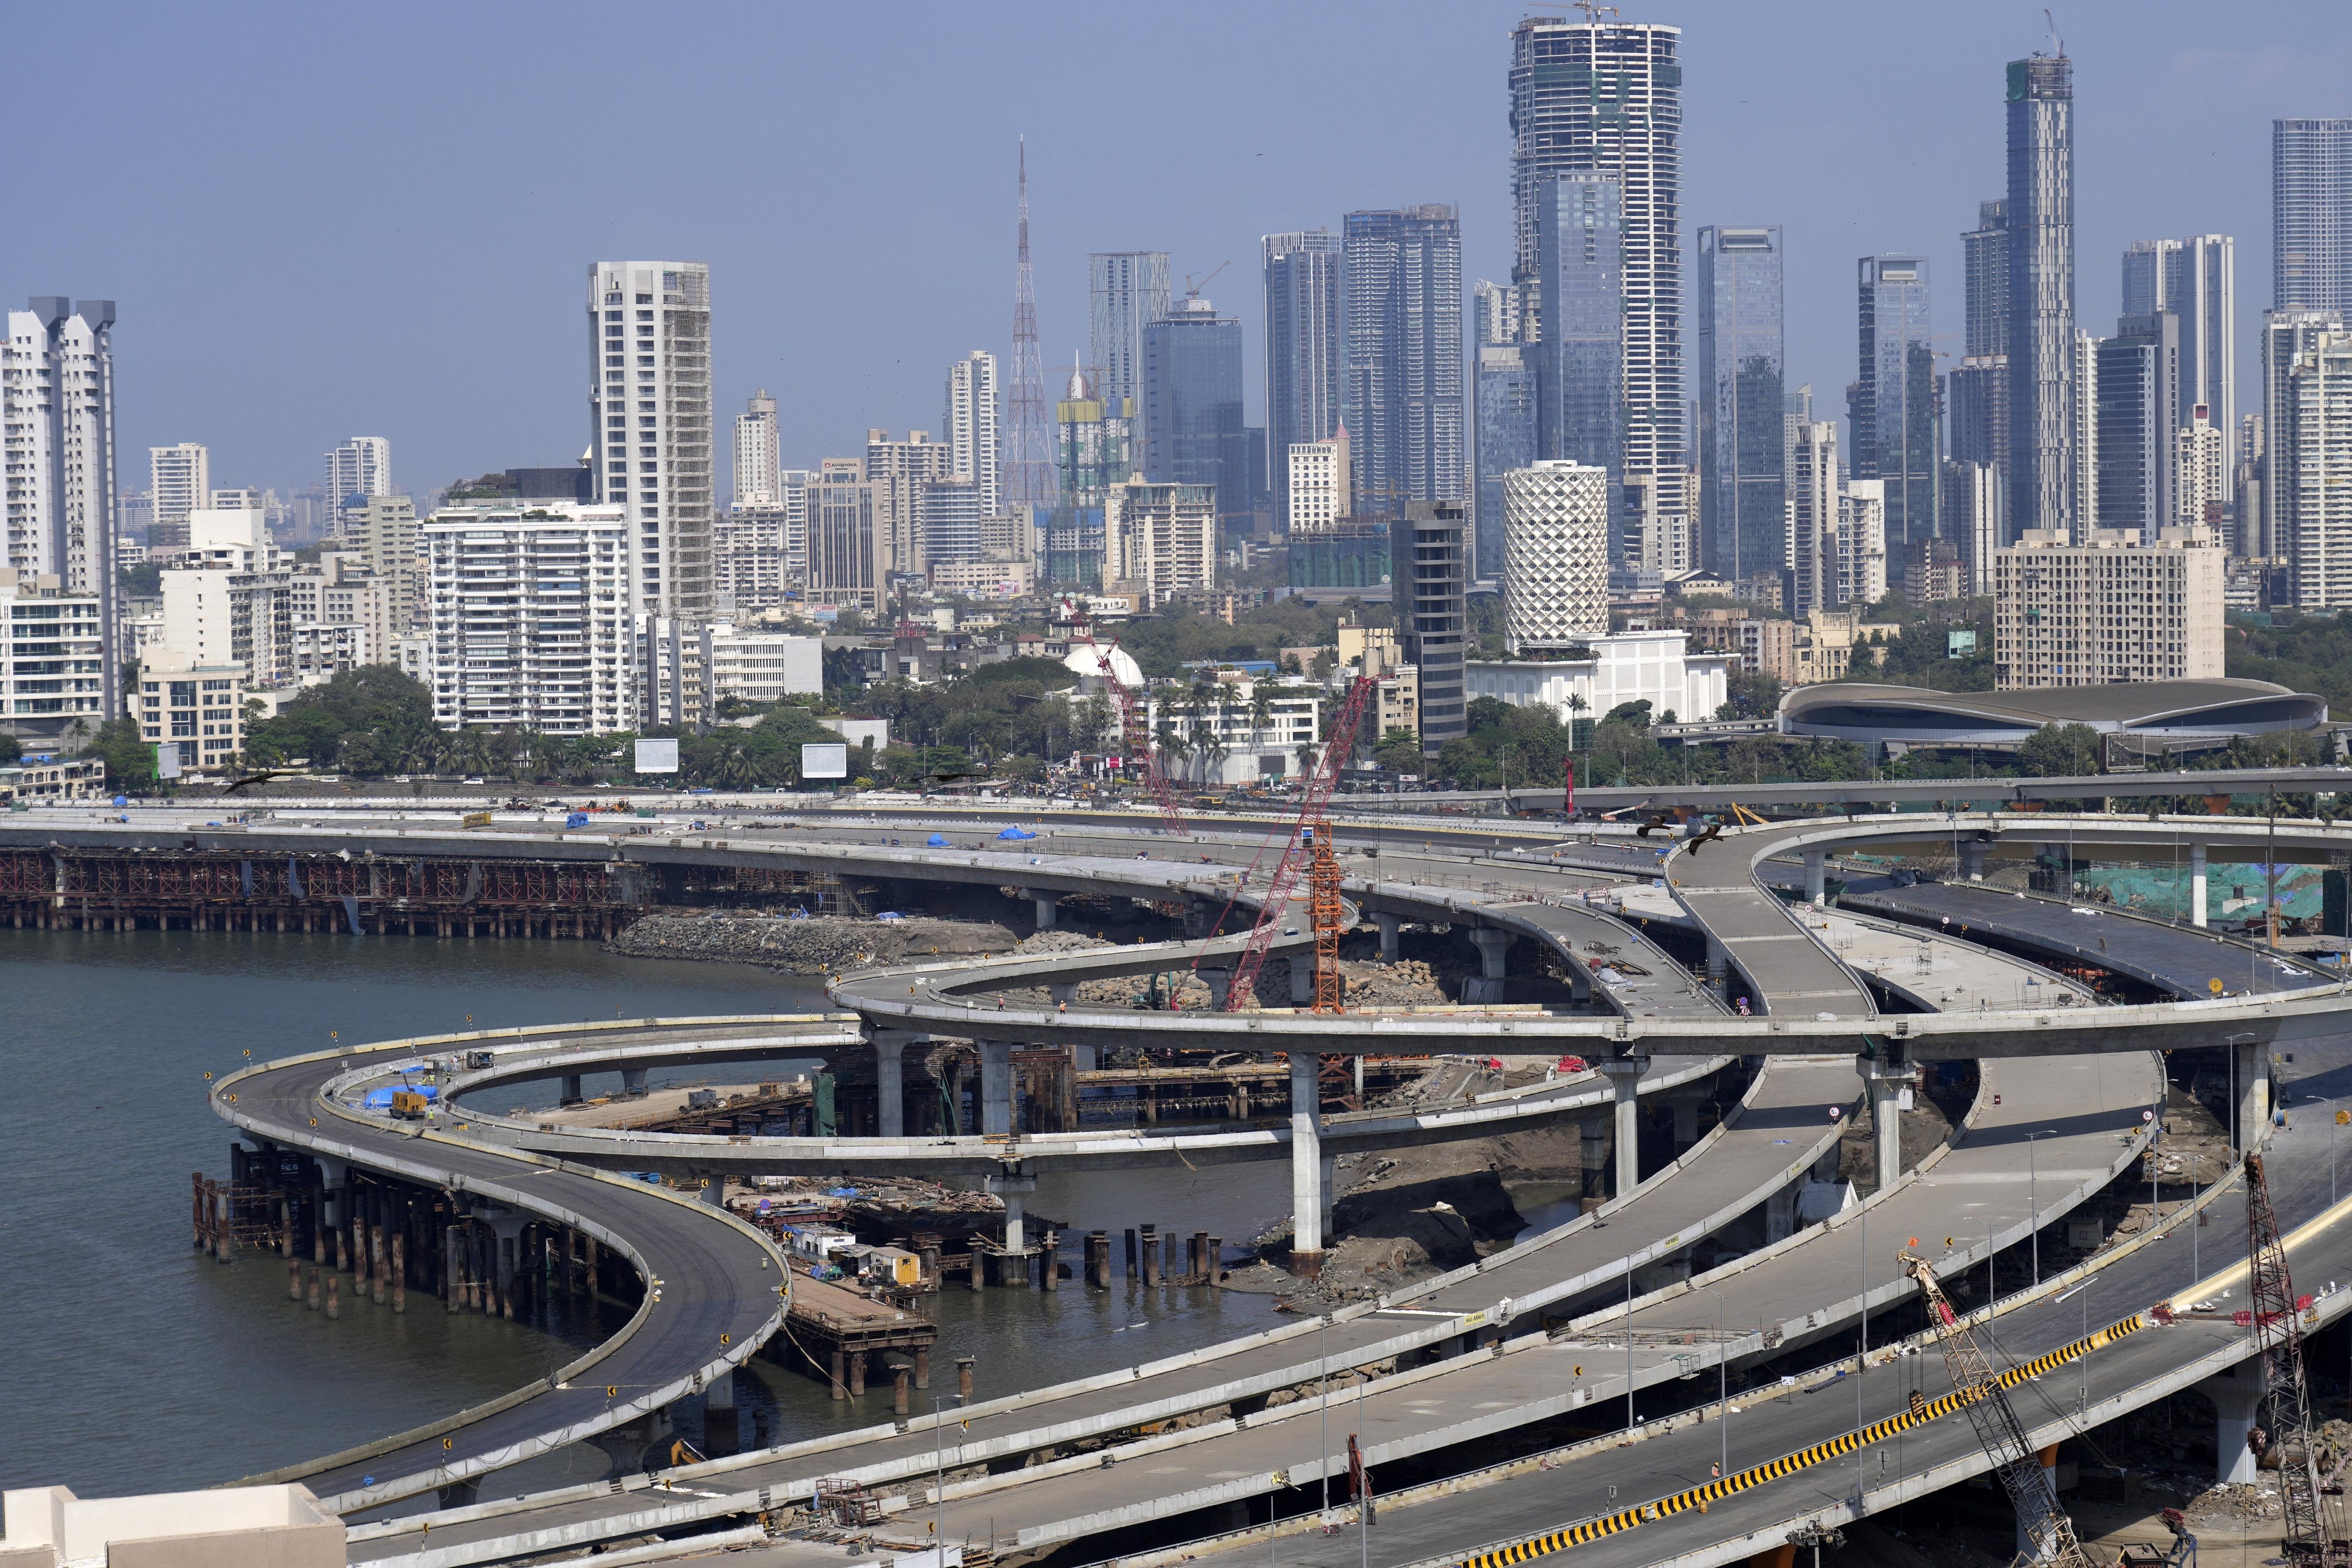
x=2049, y=1532
x=2274, y=1319
x=1135, y=734
x=1306, y=834
x=1193, y=290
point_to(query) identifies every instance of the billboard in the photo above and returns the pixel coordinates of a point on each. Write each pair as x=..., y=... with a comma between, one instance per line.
x=824, y=760
x=656, y=756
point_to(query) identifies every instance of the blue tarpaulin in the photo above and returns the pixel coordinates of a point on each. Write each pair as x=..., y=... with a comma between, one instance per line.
x=1017, y=832
x=937, y=841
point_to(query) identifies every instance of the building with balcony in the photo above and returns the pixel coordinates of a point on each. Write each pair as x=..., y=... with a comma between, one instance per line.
x=531, y=615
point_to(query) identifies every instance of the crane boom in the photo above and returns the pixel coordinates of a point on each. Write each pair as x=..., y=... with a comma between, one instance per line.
x=1135, y=734
x=1999, y=1431
x=2274, y=1319
x=1304, y=833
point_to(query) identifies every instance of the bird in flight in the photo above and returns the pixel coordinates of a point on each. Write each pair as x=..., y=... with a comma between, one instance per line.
x=1652, y=826
x=264, y=776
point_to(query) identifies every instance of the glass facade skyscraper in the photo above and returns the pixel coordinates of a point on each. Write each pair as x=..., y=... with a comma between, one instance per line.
x=1605, y=98
x=1580, y=307
x=1403, y=356
x=1303, y=337
x=1742, y=443
x=1895, y=434
x=1192, y=430
x=1126, y=290
x=1507, y=440
x=2311, y=215
x=2040, y=218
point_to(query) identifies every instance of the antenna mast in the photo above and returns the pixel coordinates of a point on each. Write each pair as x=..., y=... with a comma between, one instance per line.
x=1028, y=473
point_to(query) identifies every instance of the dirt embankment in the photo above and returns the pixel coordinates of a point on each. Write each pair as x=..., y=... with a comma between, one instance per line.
x=826, y=945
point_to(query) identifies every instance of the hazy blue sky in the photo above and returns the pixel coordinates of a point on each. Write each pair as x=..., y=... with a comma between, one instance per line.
x=328, y=220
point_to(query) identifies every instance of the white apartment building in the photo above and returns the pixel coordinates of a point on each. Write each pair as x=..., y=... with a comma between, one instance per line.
x=650, y=422
x=357, y=471
x=673, y=680
x=2311, y=472
x=843, y=561
x=1225, y=741
x=758, y=452
x=180, y=480
x=990, y=577
x=1555, y=555
x=229, y=599
x=1161, y=538
x=2202, y=486
x=750, y=549
x=950, y=515
x=2109, y=609
x=1322, y=487
x=760, y=667
x=2086, y=429
x=899, y=471
x=384, y=533
x=1813, y=511
x=1861, y=541
x=533, y=617
x=1655, y=667
x=56, y=453
x=340, y=591
x=53, y=657
x=969, y=425
x=324, y=650
x=2287, y=337
x=197, y=708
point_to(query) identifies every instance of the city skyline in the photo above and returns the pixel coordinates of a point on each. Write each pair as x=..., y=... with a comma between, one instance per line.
x=370, y=362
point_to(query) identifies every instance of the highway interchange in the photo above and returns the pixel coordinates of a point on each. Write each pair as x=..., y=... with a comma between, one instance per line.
x=2088, y=1068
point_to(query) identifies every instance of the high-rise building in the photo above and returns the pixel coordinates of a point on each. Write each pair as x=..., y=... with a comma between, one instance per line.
x=357, y=472
x=1429, y=589
x=1557, y=522
x=2201, y=488
x=842, y=528
x=1973, y=496
x=760, y=548
x=53, y=657
x=948, y=521
x=532, y=616
x=1812, y=572
x=1502, y=312
x=1978, y=387
x=1404, y=357
x=1507, y=403
x=2311, y=215
x=1896, y=431
x=57, y=436
x=2137, y=399
x=1861, y=541
x=1605, y=98
x=382, y=530
x=2040, y=212
x=180, y=480
x=1579, y=294
x=2287, y=335
x=2248, y=485
x=2113, y=608
x=1160, y=540
x=969, y=426
x=759, y=451
x=1192, y=405
x=1319, y=479
x=1741, y=438
x=2196, y=281
x=2085, y=427
x=899, y=470
x=650, y=421
x=1096, y=444
x=1126, y=290
x=2310, y=470
x=1304, y=334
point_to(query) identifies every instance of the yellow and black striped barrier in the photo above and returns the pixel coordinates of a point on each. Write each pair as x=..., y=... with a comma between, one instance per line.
x=1921, y=1412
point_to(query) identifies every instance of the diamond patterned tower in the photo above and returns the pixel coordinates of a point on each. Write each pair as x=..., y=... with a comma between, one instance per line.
x=1555, y=555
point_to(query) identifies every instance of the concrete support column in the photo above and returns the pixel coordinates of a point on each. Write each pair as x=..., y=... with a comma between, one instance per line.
x=1685, y=1123
x=1302, y=980
x=634, y=1082
x=1780, y=1214
x=1491, y=944
x=1817, y=878
x=995, y=1087
x=714, y=1190
x=1579, y=986
x=1330, y=1174
x=1045, y=904
x=889, y=1088
x=1306, y=1163
x=1596, y=1156
x=2250, y=1071
x=2237, y=1398
x=721, y=1431
x=1973, y=853
x=1886, y=1081
x=1624, y=1075
x=1718, y=963
x=1219, y=983
x=1082, y=1057
x=571, y=1093
x=1388, y=924
x=1015, y=1191
x=1064, y=992
x=2197, y=885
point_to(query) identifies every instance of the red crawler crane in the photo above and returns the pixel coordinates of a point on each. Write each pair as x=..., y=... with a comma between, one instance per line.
x=2275, y=1318
x=1304, y=836
x=1135, y=734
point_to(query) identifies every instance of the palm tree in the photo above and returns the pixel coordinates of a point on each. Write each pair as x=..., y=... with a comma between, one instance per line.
x=1576, y=704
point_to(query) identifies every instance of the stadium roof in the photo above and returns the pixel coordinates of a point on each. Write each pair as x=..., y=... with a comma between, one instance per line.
x=1919, y=716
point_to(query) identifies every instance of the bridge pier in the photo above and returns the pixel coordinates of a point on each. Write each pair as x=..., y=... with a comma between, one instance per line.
x=1781, y=1214
x=1685, y=1108
x=1595, y=1149
x=1082, y=1059
x=1307, y=1202
x=714, y=1191
x=1044, y=903
x=889, y=1084
x=1302, y=981
x=1219, y=983
x=995, y=1087
x=2197, y=886
x=1015, y=1191
x=570, y=1089
x=2237, y=1398
x=2250, y=1076
x=1624, y=1075
x=1491, y=943
x=1817, y=878
x=1885, y=1082
x=721, y=1431
x=1388, y=924
x=634, y=1082
x=1973, y=854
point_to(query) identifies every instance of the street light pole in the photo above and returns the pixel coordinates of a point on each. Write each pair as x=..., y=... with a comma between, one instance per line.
x=1722, y=1384
x=2033, y=1195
